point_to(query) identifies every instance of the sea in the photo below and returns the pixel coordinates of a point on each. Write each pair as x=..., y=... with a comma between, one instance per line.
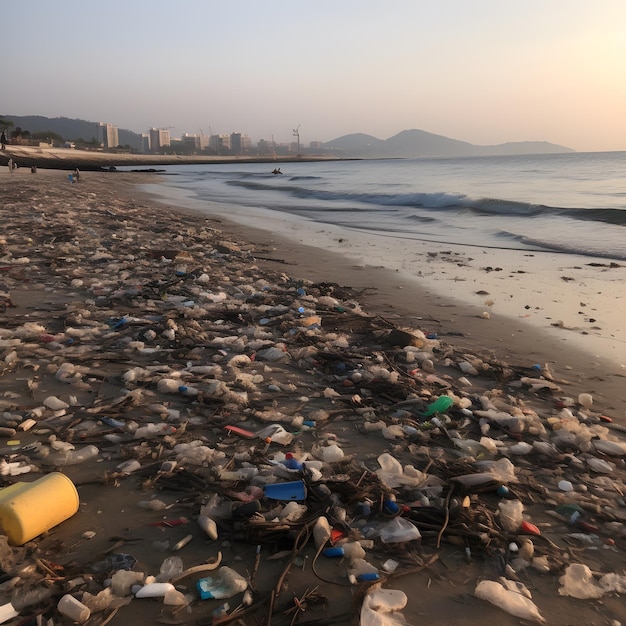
x=555, y=222
x=561, y=203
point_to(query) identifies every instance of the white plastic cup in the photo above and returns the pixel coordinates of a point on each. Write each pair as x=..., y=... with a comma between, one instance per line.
x=74, y=609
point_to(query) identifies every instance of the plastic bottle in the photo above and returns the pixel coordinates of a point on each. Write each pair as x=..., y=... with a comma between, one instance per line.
x=154, y=430
x=154, y=590
x=359, y=569
x=72, y=457
x=353, y=550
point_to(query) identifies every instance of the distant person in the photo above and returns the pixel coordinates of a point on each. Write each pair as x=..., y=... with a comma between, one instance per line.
x=10, y=165
x=76, y=175
x=3, y=141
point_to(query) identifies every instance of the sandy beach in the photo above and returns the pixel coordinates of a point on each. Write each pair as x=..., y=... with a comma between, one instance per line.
x=106, y=291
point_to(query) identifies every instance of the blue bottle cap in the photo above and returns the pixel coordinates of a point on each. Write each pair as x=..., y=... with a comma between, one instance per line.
x=333, y=552
x=390, y=507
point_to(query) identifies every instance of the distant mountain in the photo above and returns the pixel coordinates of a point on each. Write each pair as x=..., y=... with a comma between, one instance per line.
x=406, y=144
x=418, y=143
x=69, y=129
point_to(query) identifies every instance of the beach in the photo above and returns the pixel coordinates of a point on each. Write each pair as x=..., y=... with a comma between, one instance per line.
x=128, y=291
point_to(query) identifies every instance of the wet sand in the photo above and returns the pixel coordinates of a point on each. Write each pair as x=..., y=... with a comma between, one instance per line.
x=81, y=254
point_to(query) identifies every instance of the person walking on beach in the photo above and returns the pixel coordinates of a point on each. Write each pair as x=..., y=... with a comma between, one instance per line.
x=3, y=141
x=76, y=175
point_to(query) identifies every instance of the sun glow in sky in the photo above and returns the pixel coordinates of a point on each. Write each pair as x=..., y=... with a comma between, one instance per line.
x=482, y=71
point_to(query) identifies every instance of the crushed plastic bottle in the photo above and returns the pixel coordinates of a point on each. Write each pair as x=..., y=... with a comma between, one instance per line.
x=152, y=430
x=226, y=584
x=578, y=582
x=514, y=601
x=379, y=606
x=171, y=566
x=511, y=512
x=71, y=457
x=399, y=530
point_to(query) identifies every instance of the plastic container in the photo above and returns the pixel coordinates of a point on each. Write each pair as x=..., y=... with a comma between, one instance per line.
x=30, y=509
x=74, y=609
x=295, y=490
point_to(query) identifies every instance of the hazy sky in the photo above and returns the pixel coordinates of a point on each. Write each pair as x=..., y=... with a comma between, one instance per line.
x=483, y=71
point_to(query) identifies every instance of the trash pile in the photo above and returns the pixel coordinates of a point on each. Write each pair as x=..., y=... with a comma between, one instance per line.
x=279, y=442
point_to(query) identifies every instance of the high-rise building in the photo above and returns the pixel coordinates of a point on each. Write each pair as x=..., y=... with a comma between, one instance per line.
x=108, y=135
x=144, y=143
x=159, y=138
x=219, y=143
x=239, y=143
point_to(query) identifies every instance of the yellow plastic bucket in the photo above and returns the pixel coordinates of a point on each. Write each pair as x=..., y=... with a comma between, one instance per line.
x=30, y=509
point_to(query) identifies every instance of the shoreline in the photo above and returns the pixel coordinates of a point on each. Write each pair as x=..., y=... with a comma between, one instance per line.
x=511, y=331
x=69, y=159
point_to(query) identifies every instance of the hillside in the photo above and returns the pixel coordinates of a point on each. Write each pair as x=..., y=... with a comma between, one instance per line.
x=409, y=144
x=418, y=143
x=69, y=129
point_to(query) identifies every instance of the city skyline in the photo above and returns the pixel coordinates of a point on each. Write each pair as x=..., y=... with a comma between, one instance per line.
x=485, y=72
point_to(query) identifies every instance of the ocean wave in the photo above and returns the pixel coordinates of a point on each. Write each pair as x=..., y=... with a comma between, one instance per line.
x=440, y=201
x=608, y=216
x=570, y=247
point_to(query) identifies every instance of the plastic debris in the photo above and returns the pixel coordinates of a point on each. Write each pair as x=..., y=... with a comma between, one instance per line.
x=205, y=404
x=511, y=600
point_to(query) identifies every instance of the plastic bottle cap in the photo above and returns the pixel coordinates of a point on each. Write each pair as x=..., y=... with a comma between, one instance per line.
x=367, y=577
x=391, y=507
x=333, y=552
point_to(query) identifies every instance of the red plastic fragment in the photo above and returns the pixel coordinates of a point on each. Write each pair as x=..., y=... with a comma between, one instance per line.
x=529, y=529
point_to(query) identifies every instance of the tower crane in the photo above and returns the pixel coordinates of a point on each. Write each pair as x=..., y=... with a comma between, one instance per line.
x=296, y=134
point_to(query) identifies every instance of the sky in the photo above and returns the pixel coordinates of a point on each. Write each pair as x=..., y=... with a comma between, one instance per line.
x=482, y=71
